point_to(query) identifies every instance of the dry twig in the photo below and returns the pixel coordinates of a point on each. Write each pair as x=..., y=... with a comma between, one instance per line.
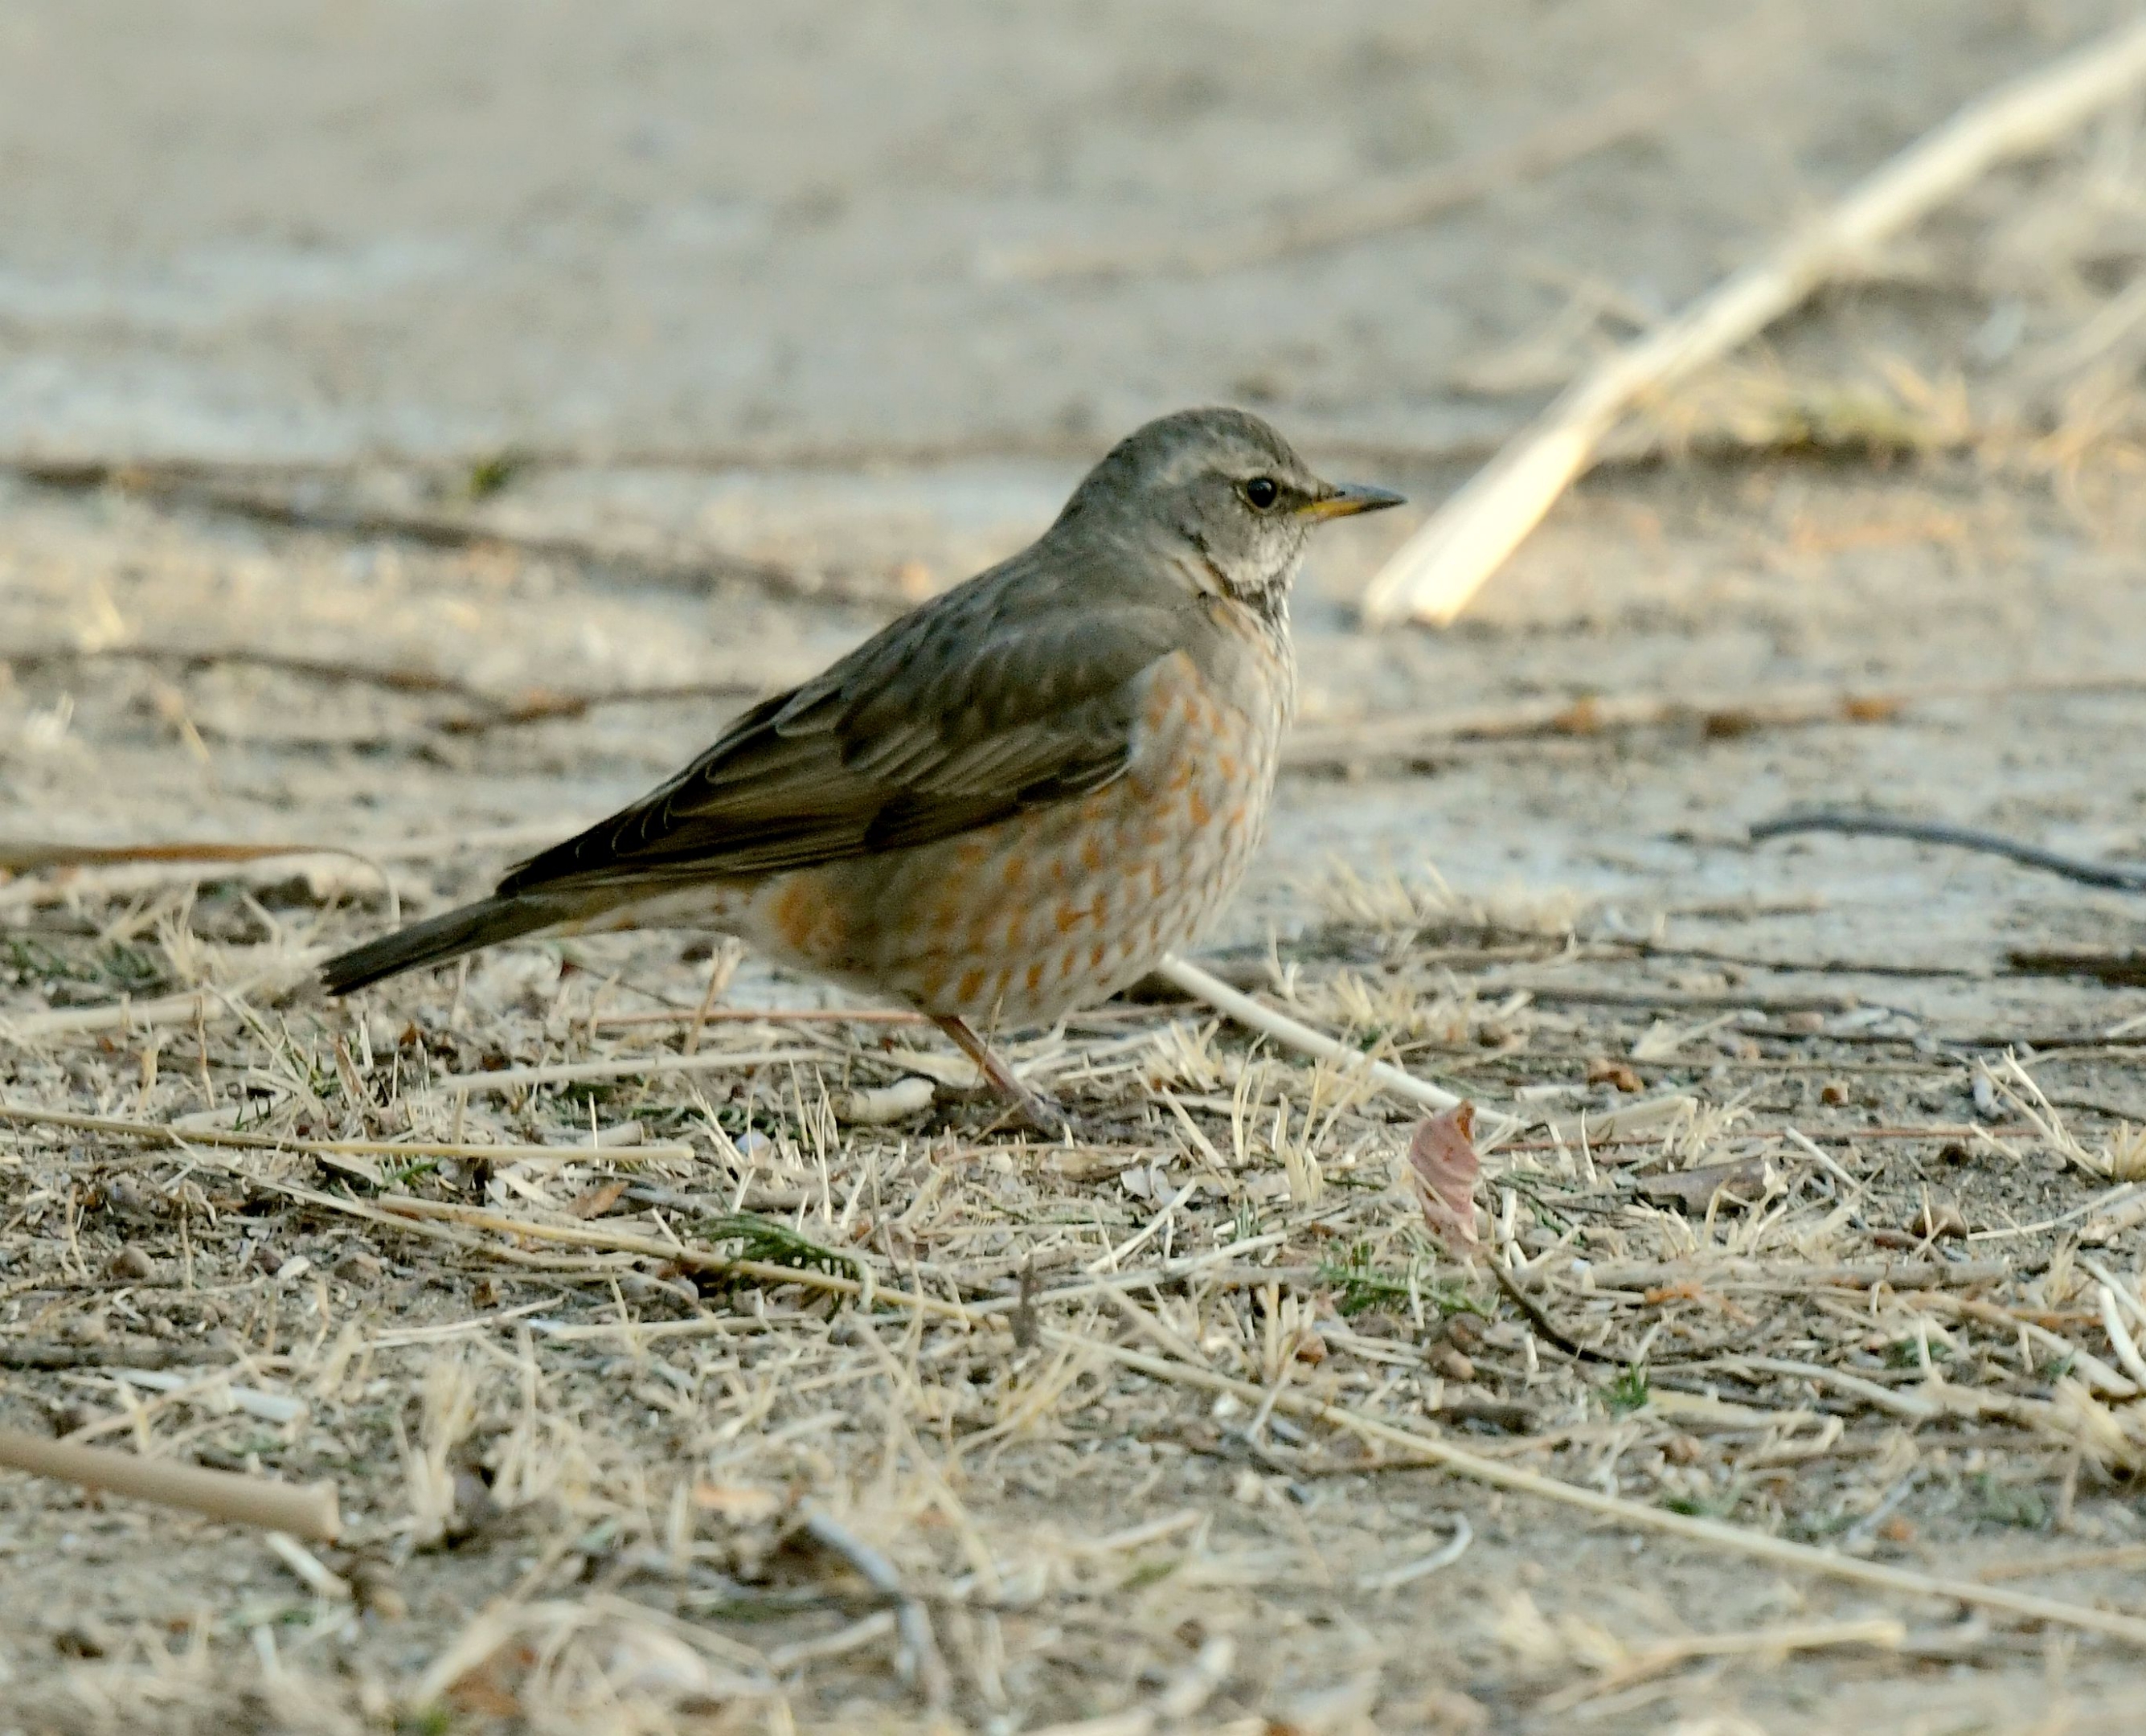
x=1956, y=837
x=1433, y=575
x=1295, y=1034
x=256, y=1501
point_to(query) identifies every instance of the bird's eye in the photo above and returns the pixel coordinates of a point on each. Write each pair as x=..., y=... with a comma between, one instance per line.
x=1261, y=492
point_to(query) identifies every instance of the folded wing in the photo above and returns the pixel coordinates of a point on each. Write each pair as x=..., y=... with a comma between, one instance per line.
x=993, y=700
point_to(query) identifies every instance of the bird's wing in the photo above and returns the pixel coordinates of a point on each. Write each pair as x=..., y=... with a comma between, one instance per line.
x=1001, y=696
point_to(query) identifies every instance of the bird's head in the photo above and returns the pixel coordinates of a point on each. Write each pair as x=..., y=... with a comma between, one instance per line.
x=1220, y=496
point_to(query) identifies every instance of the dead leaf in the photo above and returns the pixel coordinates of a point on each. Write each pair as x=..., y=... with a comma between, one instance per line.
x=1582, y=717
x=1938, y=1221
x=1074, y=1165
x=482, y=1691
x=1688, y=1291
x=598, y=1200
x=1453, y=1363
x=1444, y=1167
x=1694, y=1190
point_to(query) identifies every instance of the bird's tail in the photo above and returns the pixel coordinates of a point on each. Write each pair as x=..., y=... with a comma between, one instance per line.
x=474, y=926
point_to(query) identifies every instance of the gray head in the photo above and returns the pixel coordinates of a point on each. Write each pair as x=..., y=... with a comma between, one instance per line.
x=1220, y=496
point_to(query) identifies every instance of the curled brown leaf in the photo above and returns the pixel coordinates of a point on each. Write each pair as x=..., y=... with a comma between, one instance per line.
x=1444, y=1167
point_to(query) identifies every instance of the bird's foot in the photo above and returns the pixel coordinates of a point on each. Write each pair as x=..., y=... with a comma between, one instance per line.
x=1038, y=1109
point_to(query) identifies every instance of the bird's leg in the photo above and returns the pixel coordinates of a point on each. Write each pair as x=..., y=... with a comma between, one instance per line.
x=1038, y=1111
x=722, y=966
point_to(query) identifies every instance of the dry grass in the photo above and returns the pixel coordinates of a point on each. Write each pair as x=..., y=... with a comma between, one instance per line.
x=763, y=1419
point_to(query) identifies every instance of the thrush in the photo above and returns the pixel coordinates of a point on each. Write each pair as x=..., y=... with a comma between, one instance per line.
x=1011, y=802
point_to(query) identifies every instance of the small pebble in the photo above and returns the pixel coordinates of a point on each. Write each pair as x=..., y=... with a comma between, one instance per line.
x=359, y=1267
x=1984, y=1094
x=1453, y=1363
x=1939, y=1221
x=372, y=1585
x=131, y=1263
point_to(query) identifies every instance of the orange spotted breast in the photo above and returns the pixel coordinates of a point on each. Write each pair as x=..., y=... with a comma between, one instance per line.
x=1017, y=923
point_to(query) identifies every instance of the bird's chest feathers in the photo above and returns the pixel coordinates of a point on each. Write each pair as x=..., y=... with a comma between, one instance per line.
x=1209, y=734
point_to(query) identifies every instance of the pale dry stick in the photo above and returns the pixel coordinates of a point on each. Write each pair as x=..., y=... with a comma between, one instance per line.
x=2119, y=1338
x=1917, y=1404
x=1825, y=1161
x=764, y=1016
x=182, y=1389
x=1336, y=219
x=2126, y=1294
x=1290, y=1032
x=855, y=1638
x=1409, y=1571
x=161, y=1135
x=1436, y=573
x=127, y=880
x=1712, y=1533
x=25, y=859
x=308, y=1512
x=2118, y=1555
x=408, y=1336
x=1138, y=1537
x=302, y=1562
x=1881, y=1633
x=1189, y=1689
x=210, y=1006
x=705, y=1326
x=510, y=1079
x=1148, y=1326
x=1134, y=1721
x=2125, y=1193
x=443, y=1233
x=1107, y=1260
x=2117, y=1300
x=1645, y=1116
x=269, y=1407
x=722, y=966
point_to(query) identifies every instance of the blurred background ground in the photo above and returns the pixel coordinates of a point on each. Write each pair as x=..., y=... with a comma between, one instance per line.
x=579, y=350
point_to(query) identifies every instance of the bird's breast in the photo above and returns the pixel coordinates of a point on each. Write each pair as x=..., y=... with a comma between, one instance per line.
x=1016, y=923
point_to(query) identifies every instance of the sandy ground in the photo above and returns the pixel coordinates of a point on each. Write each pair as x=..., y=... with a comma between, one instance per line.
x=258, y=230
x=577, y=352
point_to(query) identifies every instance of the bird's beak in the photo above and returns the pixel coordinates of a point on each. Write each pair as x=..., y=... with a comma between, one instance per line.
x=1348, y=500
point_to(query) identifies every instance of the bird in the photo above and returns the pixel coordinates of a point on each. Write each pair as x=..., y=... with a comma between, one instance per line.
x=1010, y=803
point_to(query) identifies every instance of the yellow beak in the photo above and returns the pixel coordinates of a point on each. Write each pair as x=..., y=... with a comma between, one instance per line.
x=1348, y=500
